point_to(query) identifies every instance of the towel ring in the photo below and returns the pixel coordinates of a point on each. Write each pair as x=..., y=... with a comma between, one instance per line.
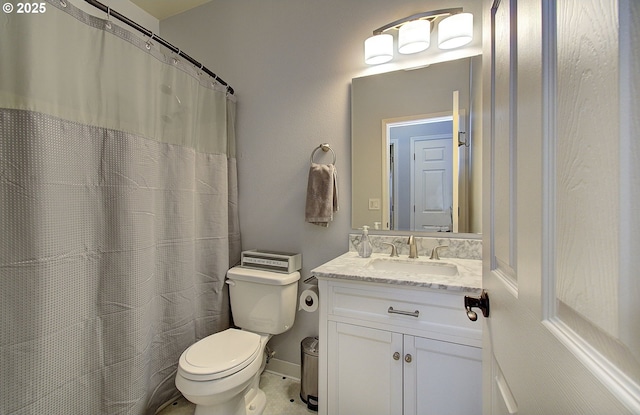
x=325, y=147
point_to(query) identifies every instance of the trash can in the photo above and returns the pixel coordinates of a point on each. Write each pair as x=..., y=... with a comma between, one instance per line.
x=309, y=372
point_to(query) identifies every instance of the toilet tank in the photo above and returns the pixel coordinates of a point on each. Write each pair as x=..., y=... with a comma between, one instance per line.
x=263, y=301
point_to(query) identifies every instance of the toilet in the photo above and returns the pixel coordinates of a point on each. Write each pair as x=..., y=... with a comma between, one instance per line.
x=221, y=373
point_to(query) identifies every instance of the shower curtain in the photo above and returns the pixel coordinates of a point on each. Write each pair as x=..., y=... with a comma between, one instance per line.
x=118, y=214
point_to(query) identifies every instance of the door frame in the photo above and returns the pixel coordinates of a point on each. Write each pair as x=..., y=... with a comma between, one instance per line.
x=461, y=185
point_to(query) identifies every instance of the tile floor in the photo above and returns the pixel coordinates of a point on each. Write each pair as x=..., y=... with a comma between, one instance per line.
x=283, y=398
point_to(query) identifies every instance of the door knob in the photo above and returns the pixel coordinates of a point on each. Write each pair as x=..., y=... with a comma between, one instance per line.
x=396, y=356
x=481, y=302
x=407, y=358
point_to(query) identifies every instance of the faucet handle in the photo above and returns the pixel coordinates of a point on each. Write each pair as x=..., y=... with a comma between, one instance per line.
x=434, y=251
x=394, y=249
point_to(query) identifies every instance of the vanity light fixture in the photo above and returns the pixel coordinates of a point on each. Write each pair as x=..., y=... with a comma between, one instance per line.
x=455, y=29
x=378, y=49
x=414, y=36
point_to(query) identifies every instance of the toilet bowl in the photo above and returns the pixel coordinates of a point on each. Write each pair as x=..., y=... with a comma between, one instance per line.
x=221, y=373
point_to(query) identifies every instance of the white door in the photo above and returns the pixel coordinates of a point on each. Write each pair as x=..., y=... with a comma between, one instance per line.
x=433, y=183
x=561, y=236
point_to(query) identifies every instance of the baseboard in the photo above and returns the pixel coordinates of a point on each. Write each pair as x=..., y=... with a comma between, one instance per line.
x=284, y=368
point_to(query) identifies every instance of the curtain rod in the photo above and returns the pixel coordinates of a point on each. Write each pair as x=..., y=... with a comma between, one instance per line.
x=149, y=33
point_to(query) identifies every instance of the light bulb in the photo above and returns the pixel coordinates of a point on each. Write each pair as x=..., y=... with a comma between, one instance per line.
x=378, y=49
x=414, y=37
x=455, y=31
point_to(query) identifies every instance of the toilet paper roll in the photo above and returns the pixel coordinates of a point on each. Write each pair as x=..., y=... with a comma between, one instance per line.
x=309, y=300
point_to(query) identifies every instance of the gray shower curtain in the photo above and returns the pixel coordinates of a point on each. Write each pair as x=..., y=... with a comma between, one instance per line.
x=118, y=214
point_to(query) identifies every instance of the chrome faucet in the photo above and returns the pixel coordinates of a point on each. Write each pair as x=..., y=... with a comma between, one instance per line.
x=434, y=251
x=413, y=249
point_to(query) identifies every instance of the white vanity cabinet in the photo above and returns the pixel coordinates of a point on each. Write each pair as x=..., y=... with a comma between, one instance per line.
x=397, y=349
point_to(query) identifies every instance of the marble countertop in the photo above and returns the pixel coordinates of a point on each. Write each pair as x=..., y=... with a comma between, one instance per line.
x=350, y=266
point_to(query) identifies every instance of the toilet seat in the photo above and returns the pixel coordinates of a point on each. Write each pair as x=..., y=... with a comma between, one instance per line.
x=219, y=355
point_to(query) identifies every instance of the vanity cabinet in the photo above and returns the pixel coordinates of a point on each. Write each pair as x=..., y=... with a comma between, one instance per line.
x=401, y=350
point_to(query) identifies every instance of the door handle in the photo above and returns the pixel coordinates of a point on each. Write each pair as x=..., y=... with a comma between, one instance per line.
x=481, y=302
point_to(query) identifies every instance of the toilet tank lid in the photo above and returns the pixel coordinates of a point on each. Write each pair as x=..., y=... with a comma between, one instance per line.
x=262, y=277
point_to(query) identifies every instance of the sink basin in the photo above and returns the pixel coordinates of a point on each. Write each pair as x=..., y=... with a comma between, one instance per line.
x=413, y=266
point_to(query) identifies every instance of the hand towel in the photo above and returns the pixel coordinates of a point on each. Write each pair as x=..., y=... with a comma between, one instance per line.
x=322, y=194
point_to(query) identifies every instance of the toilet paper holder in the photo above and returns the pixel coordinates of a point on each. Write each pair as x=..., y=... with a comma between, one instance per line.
x=309, y=299
x=312, y=280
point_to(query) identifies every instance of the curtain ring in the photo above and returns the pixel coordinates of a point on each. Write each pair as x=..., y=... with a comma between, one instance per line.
x=107, y=24
x=149, y=42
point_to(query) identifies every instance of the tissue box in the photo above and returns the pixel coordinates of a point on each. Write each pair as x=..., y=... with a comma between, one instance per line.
x=284, y=262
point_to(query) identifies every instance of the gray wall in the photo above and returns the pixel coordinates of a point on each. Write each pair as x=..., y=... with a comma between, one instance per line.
x=291, y=63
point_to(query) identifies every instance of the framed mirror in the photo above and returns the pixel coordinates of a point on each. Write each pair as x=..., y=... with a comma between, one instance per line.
x=416, y=149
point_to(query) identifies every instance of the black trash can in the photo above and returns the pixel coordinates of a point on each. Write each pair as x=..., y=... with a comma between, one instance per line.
x=309, y=372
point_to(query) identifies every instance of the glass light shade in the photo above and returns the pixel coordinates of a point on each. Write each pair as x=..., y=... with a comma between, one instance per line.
x=414, y=36
x=378, y=49
x=455, y=31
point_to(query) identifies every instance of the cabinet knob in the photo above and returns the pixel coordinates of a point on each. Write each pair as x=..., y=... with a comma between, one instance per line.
x=396, y=356
x=407, y=358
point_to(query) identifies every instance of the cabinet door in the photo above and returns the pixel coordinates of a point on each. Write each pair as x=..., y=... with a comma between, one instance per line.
x=441, y=378
x=364, y=377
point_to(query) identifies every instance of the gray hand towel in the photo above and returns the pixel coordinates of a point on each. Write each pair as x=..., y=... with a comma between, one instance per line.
x=322, y=194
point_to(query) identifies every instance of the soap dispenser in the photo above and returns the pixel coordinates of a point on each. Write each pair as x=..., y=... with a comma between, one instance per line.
x=365, y=248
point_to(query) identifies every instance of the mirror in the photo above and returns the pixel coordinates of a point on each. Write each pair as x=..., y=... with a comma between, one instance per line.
x=397, y=115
